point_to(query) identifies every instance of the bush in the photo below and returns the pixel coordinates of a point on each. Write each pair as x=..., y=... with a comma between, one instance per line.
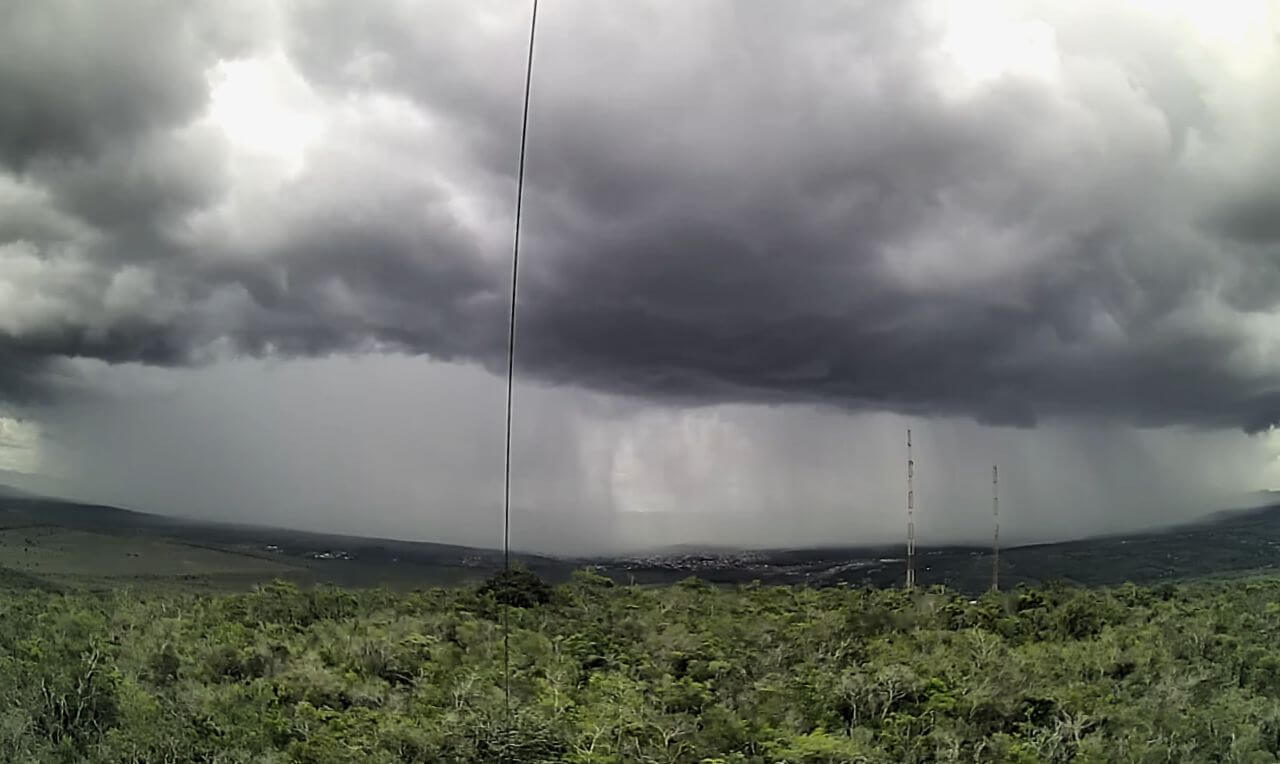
x=517, y=587
x=693, y=673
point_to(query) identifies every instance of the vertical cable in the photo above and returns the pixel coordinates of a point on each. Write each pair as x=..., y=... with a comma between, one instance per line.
x=511, y=368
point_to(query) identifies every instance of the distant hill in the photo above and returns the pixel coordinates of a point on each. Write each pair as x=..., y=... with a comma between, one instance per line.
x=54, y=542
x=1225, y=543
x=9, y=492
x=44, y=528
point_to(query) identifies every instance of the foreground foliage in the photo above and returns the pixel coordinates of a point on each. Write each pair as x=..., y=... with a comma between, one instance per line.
x=616, y=674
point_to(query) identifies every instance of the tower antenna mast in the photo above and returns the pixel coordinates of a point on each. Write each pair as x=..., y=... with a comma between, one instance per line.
x=995, y=539
x=911, y=521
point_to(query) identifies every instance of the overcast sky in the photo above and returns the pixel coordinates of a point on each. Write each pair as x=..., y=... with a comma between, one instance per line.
x=255, y=261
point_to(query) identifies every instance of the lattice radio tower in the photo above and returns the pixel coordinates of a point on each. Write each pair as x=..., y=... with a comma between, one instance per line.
x=911, y=521
x=995, y=539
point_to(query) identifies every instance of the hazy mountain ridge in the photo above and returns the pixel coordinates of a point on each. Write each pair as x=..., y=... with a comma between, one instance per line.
x=1221, y=543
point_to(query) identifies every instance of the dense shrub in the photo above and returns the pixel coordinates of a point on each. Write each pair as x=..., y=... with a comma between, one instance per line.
x=517, y=587
x=604, y=673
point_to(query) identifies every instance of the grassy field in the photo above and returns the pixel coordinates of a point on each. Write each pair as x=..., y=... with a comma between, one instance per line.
x=61, y=554
x=66, y=544
x=73, y=559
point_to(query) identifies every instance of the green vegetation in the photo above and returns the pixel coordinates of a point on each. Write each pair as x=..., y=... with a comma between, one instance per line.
x=605, y=673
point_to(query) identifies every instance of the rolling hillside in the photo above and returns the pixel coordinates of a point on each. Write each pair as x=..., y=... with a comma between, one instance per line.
x=50, y=542
x=65, y=543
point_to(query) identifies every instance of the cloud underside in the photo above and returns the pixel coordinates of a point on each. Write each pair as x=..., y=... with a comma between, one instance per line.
x=1042, y=210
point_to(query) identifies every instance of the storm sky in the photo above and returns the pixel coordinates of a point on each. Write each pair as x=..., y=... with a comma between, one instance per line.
x=255, y=263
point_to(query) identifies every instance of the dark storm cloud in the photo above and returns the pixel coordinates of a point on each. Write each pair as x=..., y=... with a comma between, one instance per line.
x=856, y=205
x=80, y=77
x=1254, y=217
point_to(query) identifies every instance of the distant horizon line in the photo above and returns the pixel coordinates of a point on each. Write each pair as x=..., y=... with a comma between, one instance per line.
x=682, y=548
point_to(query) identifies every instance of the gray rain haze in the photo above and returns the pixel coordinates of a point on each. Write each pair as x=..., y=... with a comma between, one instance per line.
x=254, y=263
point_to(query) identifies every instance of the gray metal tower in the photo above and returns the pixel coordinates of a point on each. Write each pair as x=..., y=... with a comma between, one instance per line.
x=995, y=539
x=911, y=522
